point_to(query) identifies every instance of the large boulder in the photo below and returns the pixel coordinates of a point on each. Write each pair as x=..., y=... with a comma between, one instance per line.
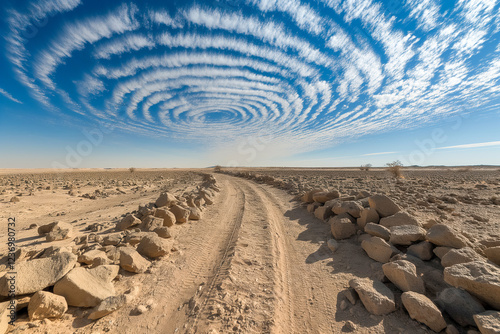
x=423, y=310
x=153, y=246
x=406, y=234
x=443, y=235
x=167, y=215
x=493, y=254
x=165, y=199
x=308, y=196
x=135, y=237
x=323, y=212
x=375, y=296
x=44, y=304
x=150, y=223
x=404, y=275
x=194, y=213
x=88, y=257
x=368, y=215
x=325, y=196
x=181, y=214
x=353, y=208
x=480, y=278
x=488, y=322
x=384, y=205
x=378, y=231
x=422, y=250
x=131, y=260
x=459, y=305
x=87, y=287
x=342, y=228
x=127, y=222
x=398, y=219
x=462, y=255
x=60, y=231
x=378, y=249
x=38, y=274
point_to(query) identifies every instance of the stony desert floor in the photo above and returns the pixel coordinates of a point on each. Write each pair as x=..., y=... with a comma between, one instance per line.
x=246, y=250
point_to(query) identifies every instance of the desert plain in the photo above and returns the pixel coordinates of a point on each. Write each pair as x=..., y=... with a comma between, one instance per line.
x=252, y=250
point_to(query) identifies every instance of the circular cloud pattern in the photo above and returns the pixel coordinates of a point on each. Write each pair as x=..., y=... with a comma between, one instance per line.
x=301, y=72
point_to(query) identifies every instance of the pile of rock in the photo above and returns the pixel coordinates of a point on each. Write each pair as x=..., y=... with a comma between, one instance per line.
x=81, y=274
x=445, y=281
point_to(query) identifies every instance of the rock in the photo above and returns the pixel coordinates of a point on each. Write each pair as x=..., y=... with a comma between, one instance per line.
x=342, y=228
x=375, y=296
x=107, y=306
x=112, y=239
x=459, y=305
x=451, y=329
x=378, y=231
x=481, y=279
x=127, y=222
x=441, y=251
x=404, y=275
x=136, y=237
x=38, y=274
x=493, y=254
x=86, y=287
x=60, y=231
x=44, y=304
x=323, y=212
x=368, y=215
x=153, y=247
x=195, y=213
x=88, y=257
x=488, y=322
x=422, y=250
x=181, y=214
x=351, y=207
x=423, y=310
x=15, y=199
x=332, y=244
x=165, y=199
x=443, y=235
x=378, y=249
x=151, y=223
x=384, y=205
x=5, y=316
x=131, y=260
x=462, y=255
x=308, y=196
x=163, y=232
x=47, y=228
x=406, y=234
x=167, y=215
x=323, y=196
x=313, y=206
x=399, y=219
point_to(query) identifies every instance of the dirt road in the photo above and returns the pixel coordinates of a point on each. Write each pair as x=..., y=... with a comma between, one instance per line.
x=256, y=263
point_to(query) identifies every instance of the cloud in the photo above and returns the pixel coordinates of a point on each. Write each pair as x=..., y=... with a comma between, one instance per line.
x=475, y=145
x=9, y=96
x=379, y=153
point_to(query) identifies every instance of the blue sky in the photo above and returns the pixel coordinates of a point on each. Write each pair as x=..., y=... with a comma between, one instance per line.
x=249, y=83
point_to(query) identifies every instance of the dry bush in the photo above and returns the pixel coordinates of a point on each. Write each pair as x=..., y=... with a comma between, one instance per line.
x=464, y=169
x=395, y=168
x=218, y=169
x=365, y=167
x=131, y=169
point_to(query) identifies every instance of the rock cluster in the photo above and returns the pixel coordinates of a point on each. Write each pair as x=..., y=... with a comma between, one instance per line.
x=82, y=273
x=436, y=267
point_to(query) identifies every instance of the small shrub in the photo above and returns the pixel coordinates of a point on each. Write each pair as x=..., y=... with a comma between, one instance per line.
x=395, y=168
x=365, y=167
x=218, y=169
x=131, y=169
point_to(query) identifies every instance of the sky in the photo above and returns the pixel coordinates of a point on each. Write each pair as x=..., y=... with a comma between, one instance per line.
x=86, y=83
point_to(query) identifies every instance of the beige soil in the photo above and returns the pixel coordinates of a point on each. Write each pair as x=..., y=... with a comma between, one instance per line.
x=256, y=263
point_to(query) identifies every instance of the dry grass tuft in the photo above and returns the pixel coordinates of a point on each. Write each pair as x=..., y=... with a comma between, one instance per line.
x=395, y=169
x=365, y=167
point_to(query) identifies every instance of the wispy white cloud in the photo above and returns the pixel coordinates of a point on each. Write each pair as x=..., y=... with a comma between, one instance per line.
x=9, y=96
x=475, y=145
x=379, y=153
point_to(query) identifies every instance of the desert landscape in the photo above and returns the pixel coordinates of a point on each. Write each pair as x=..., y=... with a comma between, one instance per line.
x=253, y=250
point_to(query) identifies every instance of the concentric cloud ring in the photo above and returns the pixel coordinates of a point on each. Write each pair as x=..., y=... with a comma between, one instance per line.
x=309, y=73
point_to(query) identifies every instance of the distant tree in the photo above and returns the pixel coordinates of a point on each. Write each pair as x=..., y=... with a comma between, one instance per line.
x=218, y=169
x=131, y=169
x=395, y=168
x=366, y=167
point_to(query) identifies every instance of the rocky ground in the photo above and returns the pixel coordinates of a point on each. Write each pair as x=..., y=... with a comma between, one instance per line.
x=252, y=251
